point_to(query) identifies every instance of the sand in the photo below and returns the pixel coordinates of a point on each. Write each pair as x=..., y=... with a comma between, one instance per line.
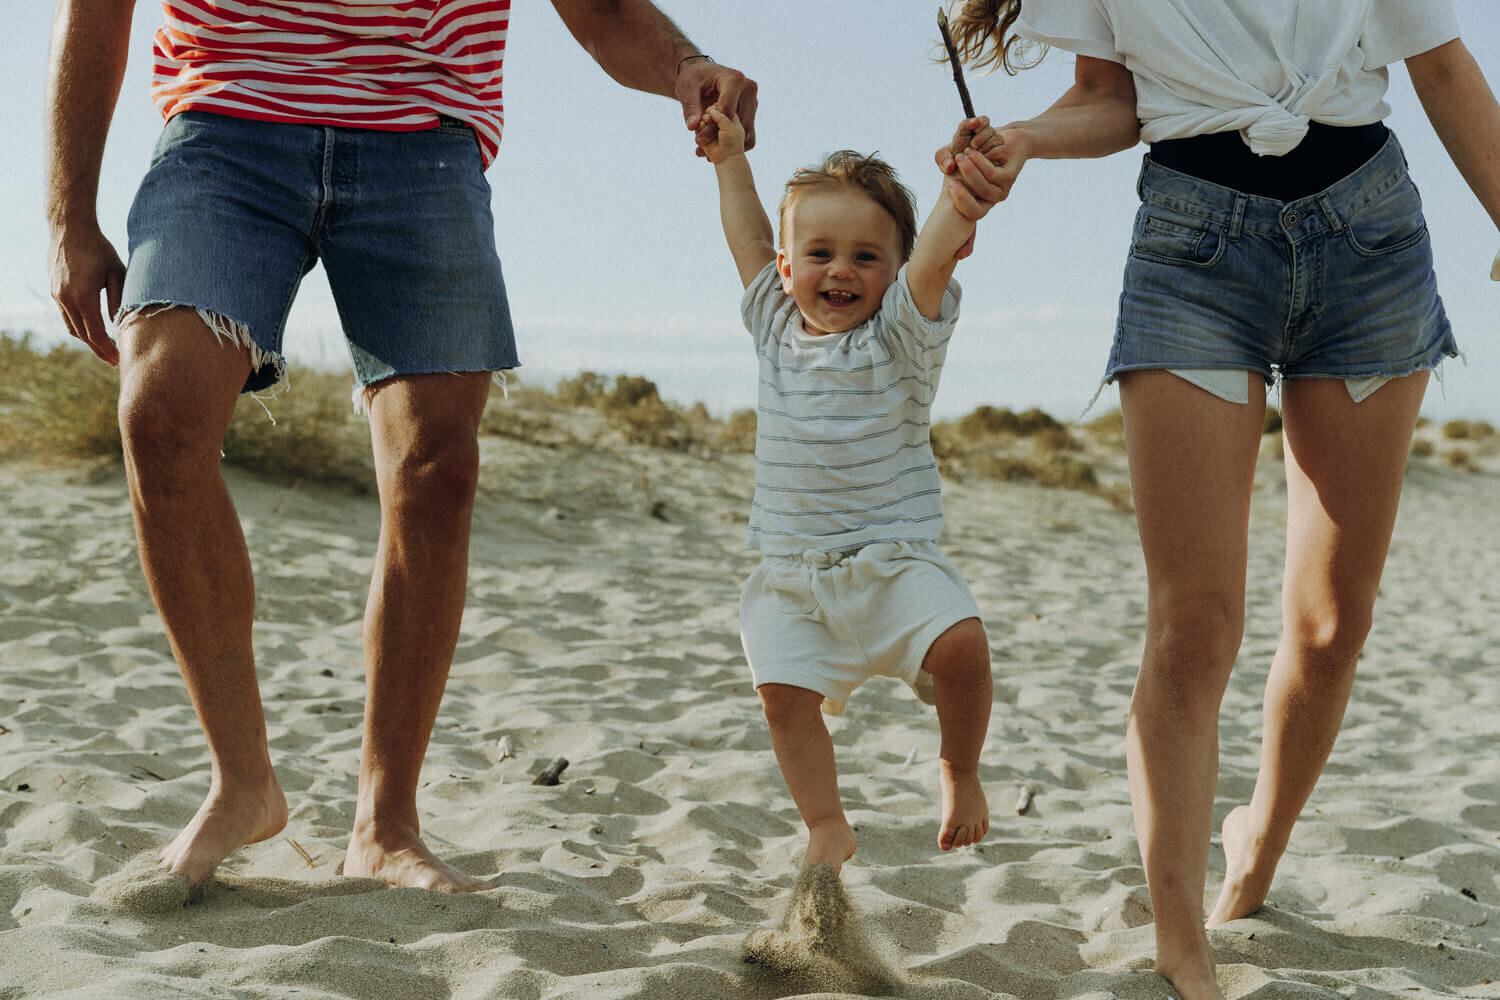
x=601, y=627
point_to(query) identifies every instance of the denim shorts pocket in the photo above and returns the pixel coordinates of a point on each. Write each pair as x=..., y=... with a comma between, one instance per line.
x=1390, y=223
x=1172, y=237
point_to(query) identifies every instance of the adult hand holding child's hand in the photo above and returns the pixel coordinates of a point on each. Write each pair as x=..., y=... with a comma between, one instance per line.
x=728, y=138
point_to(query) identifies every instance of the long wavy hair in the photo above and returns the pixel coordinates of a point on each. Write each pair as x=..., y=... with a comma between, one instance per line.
x=982, y=35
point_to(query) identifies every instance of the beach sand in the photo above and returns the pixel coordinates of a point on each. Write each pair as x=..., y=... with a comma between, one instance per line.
x=601, y=627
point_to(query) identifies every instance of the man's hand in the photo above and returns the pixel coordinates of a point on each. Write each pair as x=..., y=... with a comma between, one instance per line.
x=82, y=264
x=701, y=84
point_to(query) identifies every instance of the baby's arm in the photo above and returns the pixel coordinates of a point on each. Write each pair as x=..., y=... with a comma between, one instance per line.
x=948, y=229
x=747, y=228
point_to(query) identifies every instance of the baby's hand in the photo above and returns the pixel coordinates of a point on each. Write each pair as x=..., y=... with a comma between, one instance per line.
x=981, y=166
x=728, y=139
x=977, y=134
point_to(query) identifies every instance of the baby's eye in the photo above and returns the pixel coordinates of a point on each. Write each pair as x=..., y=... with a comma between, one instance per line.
x=819, y=254
x=866, y=257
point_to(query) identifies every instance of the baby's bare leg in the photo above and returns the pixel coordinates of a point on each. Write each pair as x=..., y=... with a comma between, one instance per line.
x=805, y=752
x=959, y=662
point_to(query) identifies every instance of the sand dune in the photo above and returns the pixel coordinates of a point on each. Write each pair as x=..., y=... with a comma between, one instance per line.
x=601, y=627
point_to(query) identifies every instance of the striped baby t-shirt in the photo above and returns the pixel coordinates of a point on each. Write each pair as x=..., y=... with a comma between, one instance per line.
x=843, y=453
x=354, y=63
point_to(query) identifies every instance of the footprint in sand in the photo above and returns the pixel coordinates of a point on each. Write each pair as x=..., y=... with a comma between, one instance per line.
x=820, y=939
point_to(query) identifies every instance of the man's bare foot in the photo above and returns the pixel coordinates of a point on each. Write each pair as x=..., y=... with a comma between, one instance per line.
x=401, y=858
x=830, y=843
x=966, y=812
x=1247, y=875
x=227, y=820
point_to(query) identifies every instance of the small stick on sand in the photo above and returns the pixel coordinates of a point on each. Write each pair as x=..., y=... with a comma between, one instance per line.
x=148, y=772
x=958, y=68
x=300, y=850
x=1023, y=799
x=550, y=774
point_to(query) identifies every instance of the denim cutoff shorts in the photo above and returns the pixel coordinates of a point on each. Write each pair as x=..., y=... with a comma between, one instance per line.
x=233, y=212
x=1335, y=285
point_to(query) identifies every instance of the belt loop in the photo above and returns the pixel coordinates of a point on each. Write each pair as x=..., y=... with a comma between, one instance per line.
x=1140, y=178
x=1326, y=204
x=1237, y=220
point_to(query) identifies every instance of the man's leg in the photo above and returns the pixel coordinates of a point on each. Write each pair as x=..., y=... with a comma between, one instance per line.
x=424, y=429
x=178, y=386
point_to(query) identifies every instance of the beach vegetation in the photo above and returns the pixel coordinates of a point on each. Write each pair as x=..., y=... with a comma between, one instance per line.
x=1468, y=430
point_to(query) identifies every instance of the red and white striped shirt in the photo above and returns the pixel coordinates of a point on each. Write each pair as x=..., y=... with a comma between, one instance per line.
x=356, y=63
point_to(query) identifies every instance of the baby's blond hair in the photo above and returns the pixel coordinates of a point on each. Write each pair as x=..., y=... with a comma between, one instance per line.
x=869, y=174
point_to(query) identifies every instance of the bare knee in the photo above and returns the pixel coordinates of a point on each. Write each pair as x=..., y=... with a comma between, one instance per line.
x=962, y=650
x=1191, y=644
x=435, y=474
x=166, y=431
x=1329, y=642
x=178, y=389
x=786, y=705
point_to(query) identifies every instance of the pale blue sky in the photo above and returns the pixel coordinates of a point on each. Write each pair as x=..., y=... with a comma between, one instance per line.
x=609, y=231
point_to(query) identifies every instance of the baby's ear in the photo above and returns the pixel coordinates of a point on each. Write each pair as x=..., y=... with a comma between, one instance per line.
x=784, y=268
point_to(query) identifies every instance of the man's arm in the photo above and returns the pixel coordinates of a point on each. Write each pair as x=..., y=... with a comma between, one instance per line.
x=1463, y=112
x=747, y=228
x=640, y=47
x=90, y=41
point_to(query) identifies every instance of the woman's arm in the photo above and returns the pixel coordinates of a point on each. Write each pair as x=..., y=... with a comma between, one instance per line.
x=1095, y=117
x=1465, y=115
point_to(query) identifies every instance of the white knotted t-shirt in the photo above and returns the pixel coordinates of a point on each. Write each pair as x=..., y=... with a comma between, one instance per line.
x=1263, y=67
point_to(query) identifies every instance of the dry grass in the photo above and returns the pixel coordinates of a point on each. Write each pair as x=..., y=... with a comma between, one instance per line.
x=1031, y=446
x=1468, y=430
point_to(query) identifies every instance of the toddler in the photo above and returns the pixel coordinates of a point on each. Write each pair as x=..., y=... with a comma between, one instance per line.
x=851, y=320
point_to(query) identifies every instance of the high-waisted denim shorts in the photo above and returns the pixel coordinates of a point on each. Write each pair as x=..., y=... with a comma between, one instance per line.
x=1335, y=285
x=233, y=213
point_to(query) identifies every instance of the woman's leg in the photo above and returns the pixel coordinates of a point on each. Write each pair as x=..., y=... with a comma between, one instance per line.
x=1344, y=464
x=1192, y=466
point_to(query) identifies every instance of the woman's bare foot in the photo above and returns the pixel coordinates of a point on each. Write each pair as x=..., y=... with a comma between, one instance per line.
x=1200, y=985
x=966, y=812
x=399, y=856
x=227, y=820
x=831, y=843
x=1247, y=875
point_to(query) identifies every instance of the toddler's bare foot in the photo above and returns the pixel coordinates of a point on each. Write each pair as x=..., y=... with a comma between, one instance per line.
x=966, y=812
x=831, y=843
x=1247, y=870
x=401, y=858
x=229, y=818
